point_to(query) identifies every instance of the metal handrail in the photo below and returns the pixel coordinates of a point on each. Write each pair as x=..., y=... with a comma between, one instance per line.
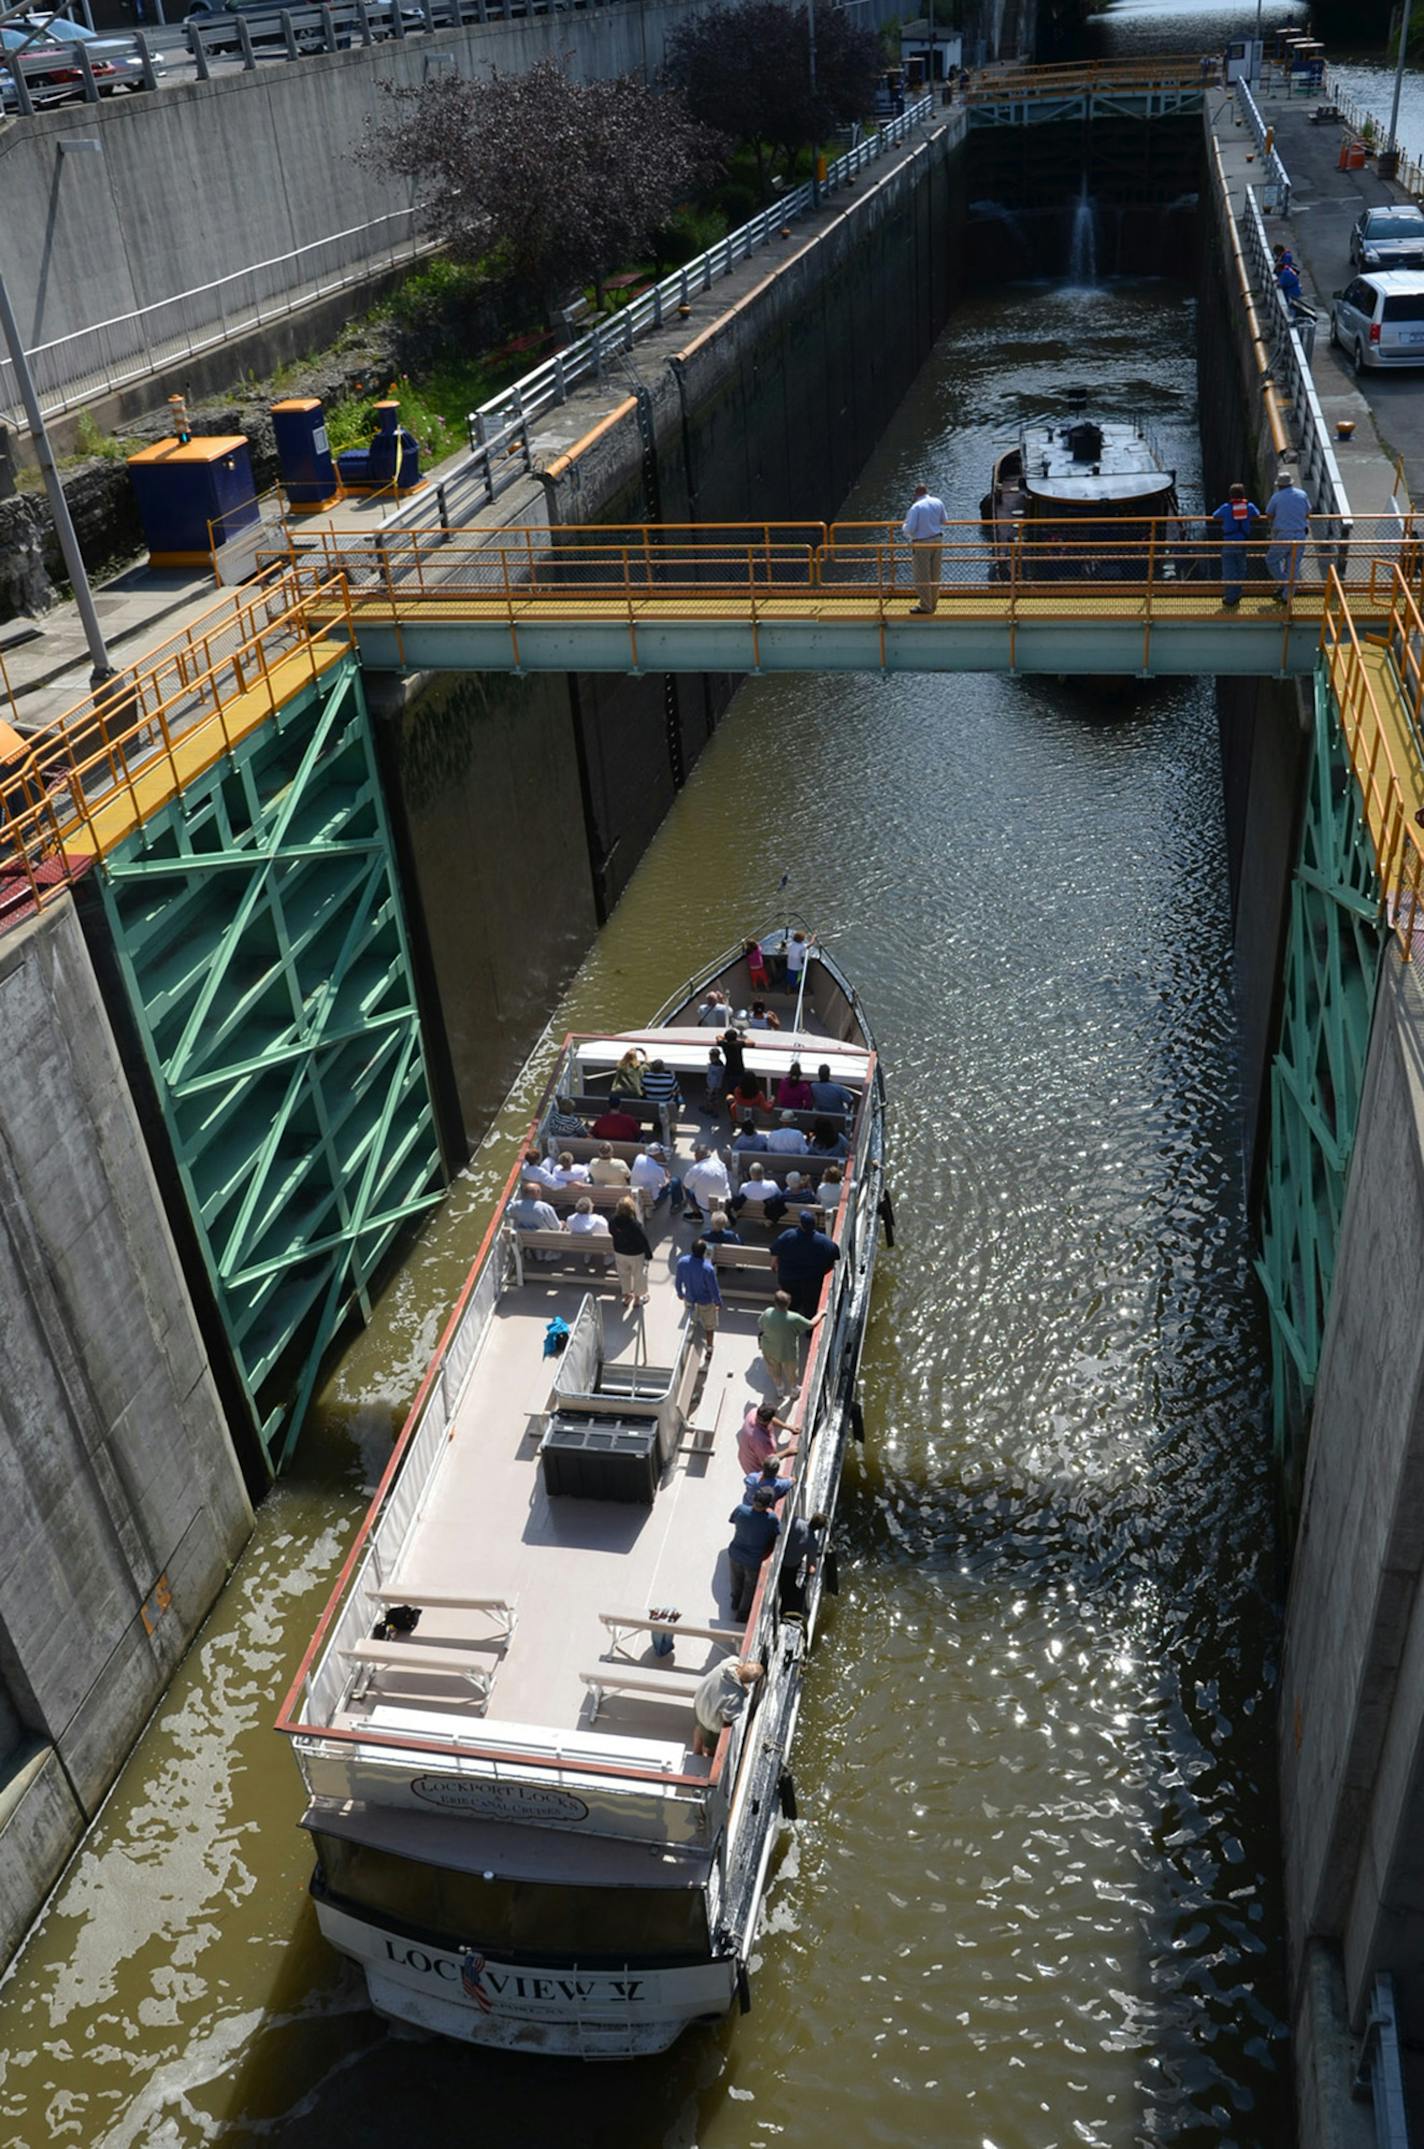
x=108, y=354
x=124, y=739
x=1395, y=835
x=1358, y=117
x=1319, y=470
x=1276, y=173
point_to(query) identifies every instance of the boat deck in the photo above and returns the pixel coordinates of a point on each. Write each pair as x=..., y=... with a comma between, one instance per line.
x=487, y=1528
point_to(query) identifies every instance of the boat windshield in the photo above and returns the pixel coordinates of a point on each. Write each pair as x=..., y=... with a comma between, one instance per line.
x=513, y=1917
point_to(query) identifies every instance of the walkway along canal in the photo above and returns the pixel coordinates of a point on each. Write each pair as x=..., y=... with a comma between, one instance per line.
x=1031, y=1899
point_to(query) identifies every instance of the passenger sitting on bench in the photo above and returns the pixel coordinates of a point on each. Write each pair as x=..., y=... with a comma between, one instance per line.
x=567, y=1173
x=828, y=1193
x=747, y=1099
x=531, y=1212
x=826, y=1140
x=793, y=1091
x=829, y=1096
x=616, y=1126
x=535, y=1167
x=758, y=1193
x=786, y=1138
x=628, y=1074
x=762, y=1017
x=606, y=1169
x=564, y=1120
x=704, y=1183
x=798, y=1192
x=586, y=1221
x=748, y=1138
x=719, y=1701
x=719, y=1232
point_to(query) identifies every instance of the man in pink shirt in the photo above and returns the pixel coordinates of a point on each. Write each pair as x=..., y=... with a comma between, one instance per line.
x=756, y=1442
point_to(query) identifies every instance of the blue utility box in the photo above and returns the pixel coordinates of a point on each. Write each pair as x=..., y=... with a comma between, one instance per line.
x=193, y=496
x=304, y=455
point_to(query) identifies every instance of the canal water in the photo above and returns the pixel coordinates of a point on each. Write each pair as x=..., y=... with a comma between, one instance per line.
x=1030, y=1901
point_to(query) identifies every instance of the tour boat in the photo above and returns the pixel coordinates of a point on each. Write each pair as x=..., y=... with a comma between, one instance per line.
x=1086, y=495
x=514, y=1837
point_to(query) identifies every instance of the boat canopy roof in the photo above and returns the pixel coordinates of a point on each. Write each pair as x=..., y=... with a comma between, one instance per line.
x=1092, y=459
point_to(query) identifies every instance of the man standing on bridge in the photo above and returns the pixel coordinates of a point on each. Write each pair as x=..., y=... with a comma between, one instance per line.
x=1289, y=511
x=924, y=530
x=1235, y=518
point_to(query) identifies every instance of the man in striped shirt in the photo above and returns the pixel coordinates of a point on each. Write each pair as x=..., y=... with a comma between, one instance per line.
x=660, y=1087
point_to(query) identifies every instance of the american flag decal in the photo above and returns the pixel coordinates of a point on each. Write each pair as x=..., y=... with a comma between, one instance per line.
x=472, y=1981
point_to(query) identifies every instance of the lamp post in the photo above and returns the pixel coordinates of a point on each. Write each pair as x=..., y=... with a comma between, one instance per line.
x=1398, y=76
x=58, y=505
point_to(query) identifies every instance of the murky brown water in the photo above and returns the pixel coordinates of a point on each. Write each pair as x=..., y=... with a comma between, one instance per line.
x=1030, y=1901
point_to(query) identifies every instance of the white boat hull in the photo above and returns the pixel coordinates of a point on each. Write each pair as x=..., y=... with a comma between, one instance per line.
x=579, y=2014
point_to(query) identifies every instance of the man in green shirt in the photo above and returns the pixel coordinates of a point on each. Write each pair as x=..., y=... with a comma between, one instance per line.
x=779, y=1332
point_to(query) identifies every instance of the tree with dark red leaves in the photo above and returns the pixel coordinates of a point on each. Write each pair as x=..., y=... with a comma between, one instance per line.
x=562, y=181
x=746, y=69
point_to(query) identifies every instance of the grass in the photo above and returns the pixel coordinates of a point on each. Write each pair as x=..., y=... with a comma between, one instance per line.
x=434, y=408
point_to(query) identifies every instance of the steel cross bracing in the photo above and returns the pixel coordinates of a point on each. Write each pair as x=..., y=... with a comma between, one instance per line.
x=258, y=927
x=1334, y=941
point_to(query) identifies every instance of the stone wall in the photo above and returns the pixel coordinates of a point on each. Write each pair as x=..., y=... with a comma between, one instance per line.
x=123, y=1503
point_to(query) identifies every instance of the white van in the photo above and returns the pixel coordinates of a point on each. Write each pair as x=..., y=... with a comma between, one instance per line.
x=1379, y=319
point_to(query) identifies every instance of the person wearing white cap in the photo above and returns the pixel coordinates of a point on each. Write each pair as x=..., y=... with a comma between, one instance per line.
x=651, y=1179
x=786, y=1137
x=1288, y=511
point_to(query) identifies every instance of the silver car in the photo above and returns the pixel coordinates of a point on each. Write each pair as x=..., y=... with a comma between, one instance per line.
x=1379, y=319
x=1390, y=236
x=43, y=46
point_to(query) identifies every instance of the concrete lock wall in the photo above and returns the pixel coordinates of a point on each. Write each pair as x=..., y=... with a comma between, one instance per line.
x=1352, y=1749
x=124, y=1507
x=522, y=806
x=115, y=206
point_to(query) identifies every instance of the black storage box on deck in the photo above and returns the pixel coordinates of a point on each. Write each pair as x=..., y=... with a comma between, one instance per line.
x=602, y=1459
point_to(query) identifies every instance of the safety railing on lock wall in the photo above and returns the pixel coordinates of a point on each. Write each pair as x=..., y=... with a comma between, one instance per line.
x=1360, y=680
x=1277, y=178
x=1319, y=470
x=500, y=450
x=71, y=370
x=133, y=743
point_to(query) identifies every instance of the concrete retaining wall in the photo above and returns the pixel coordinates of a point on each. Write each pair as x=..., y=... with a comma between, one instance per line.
x=1352, y=1762
x=124, y=1507
x=116, y=206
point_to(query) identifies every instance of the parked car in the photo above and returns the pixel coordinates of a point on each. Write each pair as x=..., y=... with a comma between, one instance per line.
x=1379, y=319
x=1390, y=236
x=44, y=46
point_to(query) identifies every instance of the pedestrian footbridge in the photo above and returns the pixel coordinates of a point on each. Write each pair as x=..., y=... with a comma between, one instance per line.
x=1014, y=96
x=1138, y=600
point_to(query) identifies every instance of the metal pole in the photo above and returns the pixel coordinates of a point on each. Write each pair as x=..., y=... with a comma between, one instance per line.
x=58, y=505
x=811, y=26
x=1398, y=73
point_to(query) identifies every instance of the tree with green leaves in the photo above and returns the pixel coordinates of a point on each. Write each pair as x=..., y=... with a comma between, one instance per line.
x=746, y=69
x=562, y=181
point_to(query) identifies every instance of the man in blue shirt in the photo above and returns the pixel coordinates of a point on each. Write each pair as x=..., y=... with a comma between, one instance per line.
x=766, y=1476
x=1288, y=511
x=831, y=1096
x=802, y=1257
x=755, y=1530
x=695, y=1281
x=1236, y=518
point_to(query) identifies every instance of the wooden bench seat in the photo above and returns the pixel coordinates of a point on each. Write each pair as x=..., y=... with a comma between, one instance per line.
x=622, y=1624
x=752, y=1264
x=583, y=1148
x=458, y=1660
x=642, y=1679
x=604, y=1198
x=576, y=1252
x=445, y=1600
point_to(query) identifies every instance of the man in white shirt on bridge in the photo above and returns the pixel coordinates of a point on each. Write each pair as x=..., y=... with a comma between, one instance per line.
x=924, y=530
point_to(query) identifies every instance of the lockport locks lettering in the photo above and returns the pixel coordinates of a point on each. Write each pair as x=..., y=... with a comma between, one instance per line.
x=498, y=1801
